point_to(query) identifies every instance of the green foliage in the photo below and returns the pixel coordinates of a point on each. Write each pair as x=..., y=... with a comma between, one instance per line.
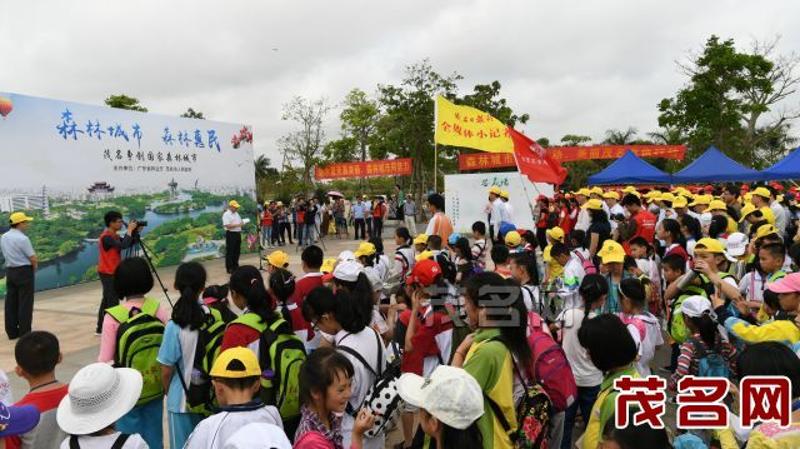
x=725, y=102
x=90, y=274
x=123, y=101
x=304, y=144
x=341, y=150
x=575, y=139
x=486, y=97
x=191, y=113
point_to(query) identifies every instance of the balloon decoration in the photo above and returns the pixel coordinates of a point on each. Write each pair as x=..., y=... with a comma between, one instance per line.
x=5, y=106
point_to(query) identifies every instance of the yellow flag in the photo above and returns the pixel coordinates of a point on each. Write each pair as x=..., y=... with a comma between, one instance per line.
x=464, y=126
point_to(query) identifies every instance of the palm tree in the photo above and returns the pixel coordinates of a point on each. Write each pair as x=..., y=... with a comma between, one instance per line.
x=668, y=136
x=620, y=137
x=263, y=168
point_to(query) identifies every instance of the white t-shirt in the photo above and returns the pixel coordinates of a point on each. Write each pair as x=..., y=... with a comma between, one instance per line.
x=586, y=374
x=498, y=212
x=530, y=294
x=214, y=431
x=232, y=218
x=583, y=222
x=366, y=344
x=509, y=212
x=752, y=286
x=647, y=346
x=106, y=441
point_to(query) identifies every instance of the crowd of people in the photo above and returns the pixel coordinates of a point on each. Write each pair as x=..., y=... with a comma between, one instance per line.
x=500, y=338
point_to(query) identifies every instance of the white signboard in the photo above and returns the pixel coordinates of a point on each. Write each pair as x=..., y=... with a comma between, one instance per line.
x=467, y=197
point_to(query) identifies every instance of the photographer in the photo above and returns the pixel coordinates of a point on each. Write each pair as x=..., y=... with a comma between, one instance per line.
x=109, y=247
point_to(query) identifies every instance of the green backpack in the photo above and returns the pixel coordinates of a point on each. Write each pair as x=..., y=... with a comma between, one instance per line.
x=280, y=354
x=200, y=397
x=676, y=325
x=138, y=341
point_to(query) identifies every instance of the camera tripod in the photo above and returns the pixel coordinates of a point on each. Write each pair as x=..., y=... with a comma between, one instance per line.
x=138, y=246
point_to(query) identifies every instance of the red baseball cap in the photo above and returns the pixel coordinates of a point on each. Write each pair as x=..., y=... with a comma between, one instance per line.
x=745, y=188
x=425, y=273
x=709, y=188
x=777, y=186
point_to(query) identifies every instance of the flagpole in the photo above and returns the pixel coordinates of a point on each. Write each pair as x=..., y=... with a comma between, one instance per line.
x=524, y=187
x=435, y=167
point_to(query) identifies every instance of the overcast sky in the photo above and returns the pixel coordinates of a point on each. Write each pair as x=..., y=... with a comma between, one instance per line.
x=575, y=66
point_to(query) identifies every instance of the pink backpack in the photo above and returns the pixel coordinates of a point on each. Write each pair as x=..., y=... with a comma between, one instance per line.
x=636, y=322
x=588, y=264
x=550, y=365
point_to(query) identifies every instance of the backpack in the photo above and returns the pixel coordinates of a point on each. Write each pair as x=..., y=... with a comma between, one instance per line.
x=589, y=267
x=550, y=366
x=636, y=322
x=449, y=270
x=138, y=340
x=280, y=355
x=533, y=414
x=676, y=324
x=709, y=363
x=200, y=397
x=382, y=397
x=119, y=443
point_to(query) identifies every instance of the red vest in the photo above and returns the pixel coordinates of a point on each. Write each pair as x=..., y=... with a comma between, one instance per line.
x=107, y=260
x=645, y=225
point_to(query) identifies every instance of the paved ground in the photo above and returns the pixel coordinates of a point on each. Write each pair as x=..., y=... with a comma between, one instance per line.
x=70, y=312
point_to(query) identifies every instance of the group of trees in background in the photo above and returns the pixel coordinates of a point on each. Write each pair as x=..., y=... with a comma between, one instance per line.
x=733, y=99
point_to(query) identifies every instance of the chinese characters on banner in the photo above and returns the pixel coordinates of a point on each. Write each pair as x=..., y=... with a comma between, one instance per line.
x=583, y=153
x=701, y=403
x=463, y=126
x=480, y=161
x=393, y=167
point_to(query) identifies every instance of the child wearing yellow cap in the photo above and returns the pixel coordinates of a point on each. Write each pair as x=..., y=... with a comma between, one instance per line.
x=553, y=269
x=236, y=377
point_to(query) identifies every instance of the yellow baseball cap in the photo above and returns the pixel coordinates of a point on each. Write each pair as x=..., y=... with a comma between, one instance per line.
x=234, y=203
x=596, y=191
x=495, y=190
x=244, y=356
x=611, y=252
x=556, y=233
x=328, y=265
x=680, y=202
x=593, y=204
x=747, y=209
x=425, y=255
x=717, y=205
x=421, y=239
x=504, y=194
x=630, y=189
x=701, y=200
x=513, y=238
x=583, y=191
x=652, y=194
x=278, y=259
x=19, y=217
x=365, y=249
x=762, y=192
x=611, y=195
x=710, y=245
x=765, y=230
x=666, y=196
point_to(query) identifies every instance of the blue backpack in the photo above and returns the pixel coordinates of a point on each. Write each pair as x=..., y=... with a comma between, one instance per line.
x=709, y=363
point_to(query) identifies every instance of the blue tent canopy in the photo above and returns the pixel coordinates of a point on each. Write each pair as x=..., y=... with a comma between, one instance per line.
x=786, y=168
x=630, y=169
x=714, y=166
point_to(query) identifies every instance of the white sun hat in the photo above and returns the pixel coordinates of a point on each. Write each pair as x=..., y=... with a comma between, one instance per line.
x=99, y=395
x=450, y=394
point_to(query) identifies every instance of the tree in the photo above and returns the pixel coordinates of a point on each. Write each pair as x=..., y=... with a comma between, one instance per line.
x=575, y=139
x=191, y=113
x=359, y=119
x=543, y=141
x=304, y=144
x=341, y=150
x=486, y=97
x=620, y=137
x=123, y=101
x=406, y=127
x=263, y=169
x=729, y=99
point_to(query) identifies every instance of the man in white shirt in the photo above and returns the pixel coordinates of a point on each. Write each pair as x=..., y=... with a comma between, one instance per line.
x=233, y=235
x=583, y=222
x=498, y=210
x=509, y=209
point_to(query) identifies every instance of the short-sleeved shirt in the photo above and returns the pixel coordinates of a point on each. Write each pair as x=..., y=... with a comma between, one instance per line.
x=358, y=210
x=603, y=231
x=17, y=248
x=490, y=363
x=46, y=434
x=214, y=431
x=178, y=347
x=232, y=218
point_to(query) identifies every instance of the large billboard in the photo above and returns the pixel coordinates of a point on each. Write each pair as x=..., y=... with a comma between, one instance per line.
x=67, y=164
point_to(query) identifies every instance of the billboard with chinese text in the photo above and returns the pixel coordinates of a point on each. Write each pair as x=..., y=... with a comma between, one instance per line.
x=467, y=195
x=67, y=164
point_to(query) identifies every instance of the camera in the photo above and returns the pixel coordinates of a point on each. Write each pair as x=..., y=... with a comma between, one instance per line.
x=139, y=224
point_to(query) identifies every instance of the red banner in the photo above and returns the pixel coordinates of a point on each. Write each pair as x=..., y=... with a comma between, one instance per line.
x=567, y=154
x=393, y=167
x=479, y=161
x=534, y=162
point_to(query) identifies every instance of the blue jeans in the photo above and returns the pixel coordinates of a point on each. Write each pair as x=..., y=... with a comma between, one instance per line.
x=585, y=400
x=266, y=235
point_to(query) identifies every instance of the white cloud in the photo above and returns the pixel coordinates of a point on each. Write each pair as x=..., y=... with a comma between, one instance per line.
x=576, y=67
